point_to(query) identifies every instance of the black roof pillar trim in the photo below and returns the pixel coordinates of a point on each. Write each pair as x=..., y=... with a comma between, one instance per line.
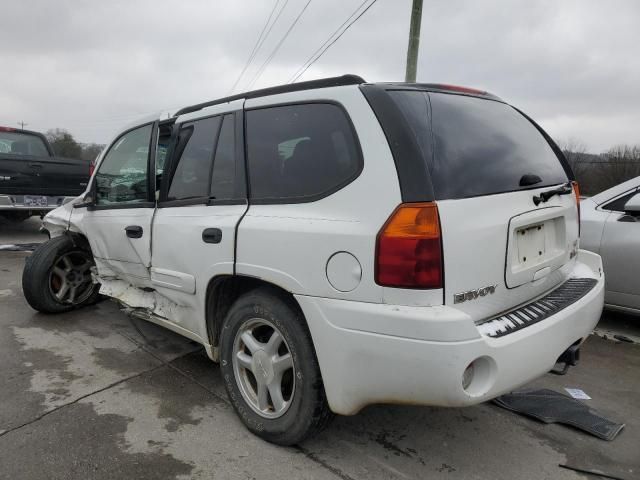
x=415, y=181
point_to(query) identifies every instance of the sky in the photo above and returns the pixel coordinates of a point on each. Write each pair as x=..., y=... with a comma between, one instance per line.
x=93, y=67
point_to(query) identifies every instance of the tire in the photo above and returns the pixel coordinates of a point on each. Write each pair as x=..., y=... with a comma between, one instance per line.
x=40, y=280
x=307, y=411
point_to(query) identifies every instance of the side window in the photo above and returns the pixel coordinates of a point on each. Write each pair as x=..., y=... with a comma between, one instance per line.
x=123, y=174
x=618, y=204
x=300, y=152
x=224, y=165
x=195, y=152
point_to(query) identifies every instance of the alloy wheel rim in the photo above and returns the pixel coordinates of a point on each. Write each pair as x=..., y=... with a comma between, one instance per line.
x=70, y=279
x=264, y=368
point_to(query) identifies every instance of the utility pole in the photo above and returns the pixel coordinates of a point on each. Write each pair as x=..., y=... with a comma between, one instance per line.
x=22, y=124
x=414, y=42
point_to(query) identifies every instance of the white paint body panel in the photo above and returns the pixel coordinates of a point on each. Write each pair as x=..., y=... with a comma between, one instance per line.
x=479, y=247
x=363, y=333
x=114, y=252
x=290, y=244
x=183, y=264
x=362, y=347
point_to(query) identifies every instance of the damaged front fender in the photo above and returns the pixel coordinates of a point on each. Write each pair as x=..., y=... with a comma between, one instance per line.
x=58, y=220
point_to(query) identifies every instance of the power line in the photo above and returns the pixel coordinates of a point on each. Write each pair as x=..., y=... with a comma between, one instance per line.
x=311, y=62
x=326, y=41
x=258, y=43
x=277, y=47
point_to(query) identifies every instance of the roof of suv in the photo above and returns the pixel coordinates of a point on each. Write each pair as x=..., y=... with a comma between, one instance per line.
x=348, y=79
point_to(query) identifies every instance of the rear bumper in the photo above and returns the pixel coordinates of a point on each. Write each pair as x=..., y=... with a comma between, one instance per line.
x=16, y=202
x=374, y=353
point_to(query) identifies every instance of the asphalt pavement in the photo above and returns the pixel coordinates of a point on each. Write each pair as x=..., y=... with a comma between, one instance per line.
x=95, y=394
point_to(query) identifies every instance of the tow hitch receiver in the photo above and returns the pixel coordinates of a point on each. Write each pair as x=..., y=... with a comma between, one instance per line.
x=570, y=357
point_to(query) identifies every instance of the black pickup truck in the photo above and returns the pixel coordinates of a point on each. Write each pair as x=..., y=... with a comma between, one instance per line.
x=32, y=179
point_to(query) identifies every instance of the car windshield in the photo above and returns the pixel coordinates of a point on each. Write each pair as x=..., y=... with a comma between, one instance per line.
x=19, y=143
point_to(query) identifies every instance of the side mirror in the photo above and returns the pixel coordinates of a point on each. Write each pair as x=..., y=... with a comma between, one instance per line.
x=87, y=200
x=632, y=207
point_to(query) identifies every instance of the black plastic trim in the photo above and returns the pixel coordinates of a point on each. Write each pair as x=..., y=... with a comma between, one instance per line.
x=122, y=206
x=184, y=202
x=413, y=173
x=264, y=92
x=318, y=196
x=538, y=310
x=438, y=88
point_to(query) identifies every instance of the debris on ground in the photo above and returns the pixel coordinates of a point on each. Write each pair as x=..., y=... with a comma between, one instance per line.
x=21, y=247
x=550, y=406
x=578, y=394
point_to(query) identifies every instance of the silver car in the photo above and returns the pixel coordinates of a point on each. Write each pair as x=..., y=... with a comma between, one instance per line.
x=610, y=224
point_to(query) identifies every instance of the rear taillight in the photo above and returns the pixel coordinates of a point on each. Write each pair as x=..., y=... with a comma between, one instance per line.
x=92, y=167
x=576, y=192
x=409, y=248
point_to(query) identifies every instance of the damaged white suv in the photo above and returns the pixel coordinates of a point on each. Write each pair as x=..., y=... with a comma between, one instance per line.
x=334, y=244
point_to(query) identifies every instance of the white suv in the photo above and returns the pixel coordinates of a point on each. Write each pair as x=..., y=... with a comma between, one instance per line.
x=334, y=244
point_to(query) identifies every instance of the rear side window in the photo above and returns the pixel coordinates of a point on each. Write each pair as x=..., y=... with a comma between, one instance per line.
x=618, y=204
x=300, y=153
x=192, y=174
x=18, y=143
x=480, y=147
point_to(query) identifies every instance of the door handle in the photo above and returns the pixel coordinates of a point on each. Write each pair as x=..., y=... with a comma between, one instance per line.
x=211, y=235
x=134, y=231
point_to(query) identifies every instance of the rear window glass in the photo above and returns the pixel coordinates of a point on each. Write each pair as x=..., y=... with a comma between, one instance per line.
x=300, y=152
x=22, y=144
x=480, y=146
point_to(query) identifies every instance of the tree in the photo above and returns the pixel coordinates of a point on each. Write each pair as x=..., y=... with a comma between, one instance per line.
x=90, y=151
x=63, y=143
x=622, y=164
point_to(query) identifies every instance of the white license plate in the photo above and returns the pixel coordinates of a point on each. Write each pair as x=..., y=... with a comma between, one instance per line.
x=531, y=244
x=35, y=201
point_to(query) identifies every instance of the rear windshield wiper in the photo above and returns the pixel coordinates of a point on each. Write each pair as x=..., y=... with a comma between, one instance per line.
x=529, y=179
x=544, y=196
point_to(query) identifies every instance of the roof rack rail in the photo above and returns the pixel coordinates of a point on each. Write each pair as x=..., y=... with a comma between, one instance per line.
x=264, y=92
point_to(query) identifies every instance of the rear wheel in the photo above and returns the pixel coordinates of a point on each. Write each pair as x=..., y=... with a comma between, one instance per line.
x=270, y=368
x=57, y=276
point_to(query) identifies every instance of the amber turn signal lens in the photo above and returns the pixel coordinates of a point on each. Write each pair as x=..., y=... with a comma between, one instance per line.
x=409, y=250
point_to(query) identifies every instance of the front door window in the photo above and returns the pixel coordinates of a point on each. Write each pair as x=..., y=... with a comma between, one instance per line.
x=122, y=177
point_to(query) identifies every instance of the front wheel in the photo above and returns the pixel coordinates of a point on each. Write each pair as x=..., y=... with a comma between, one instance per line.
x=57, y=276
x=270, y=368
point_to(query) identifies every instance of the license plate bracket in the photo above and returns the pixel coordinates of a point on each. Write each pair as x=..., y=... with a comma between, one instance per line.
x=35, y=201
x=531, y=242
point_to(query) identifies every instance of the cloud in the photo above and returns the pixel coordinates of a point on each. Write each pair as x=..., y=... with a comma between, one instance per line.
x=92, y=67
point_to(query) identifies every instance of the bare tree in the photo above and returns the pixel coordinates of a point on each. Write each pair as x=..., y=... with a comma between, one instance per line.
x=575, y=151
x=622, y=163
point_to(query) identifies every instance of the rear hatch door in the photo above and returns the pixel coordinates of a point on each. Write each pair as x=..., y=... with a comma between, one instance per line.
x=489, y=164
